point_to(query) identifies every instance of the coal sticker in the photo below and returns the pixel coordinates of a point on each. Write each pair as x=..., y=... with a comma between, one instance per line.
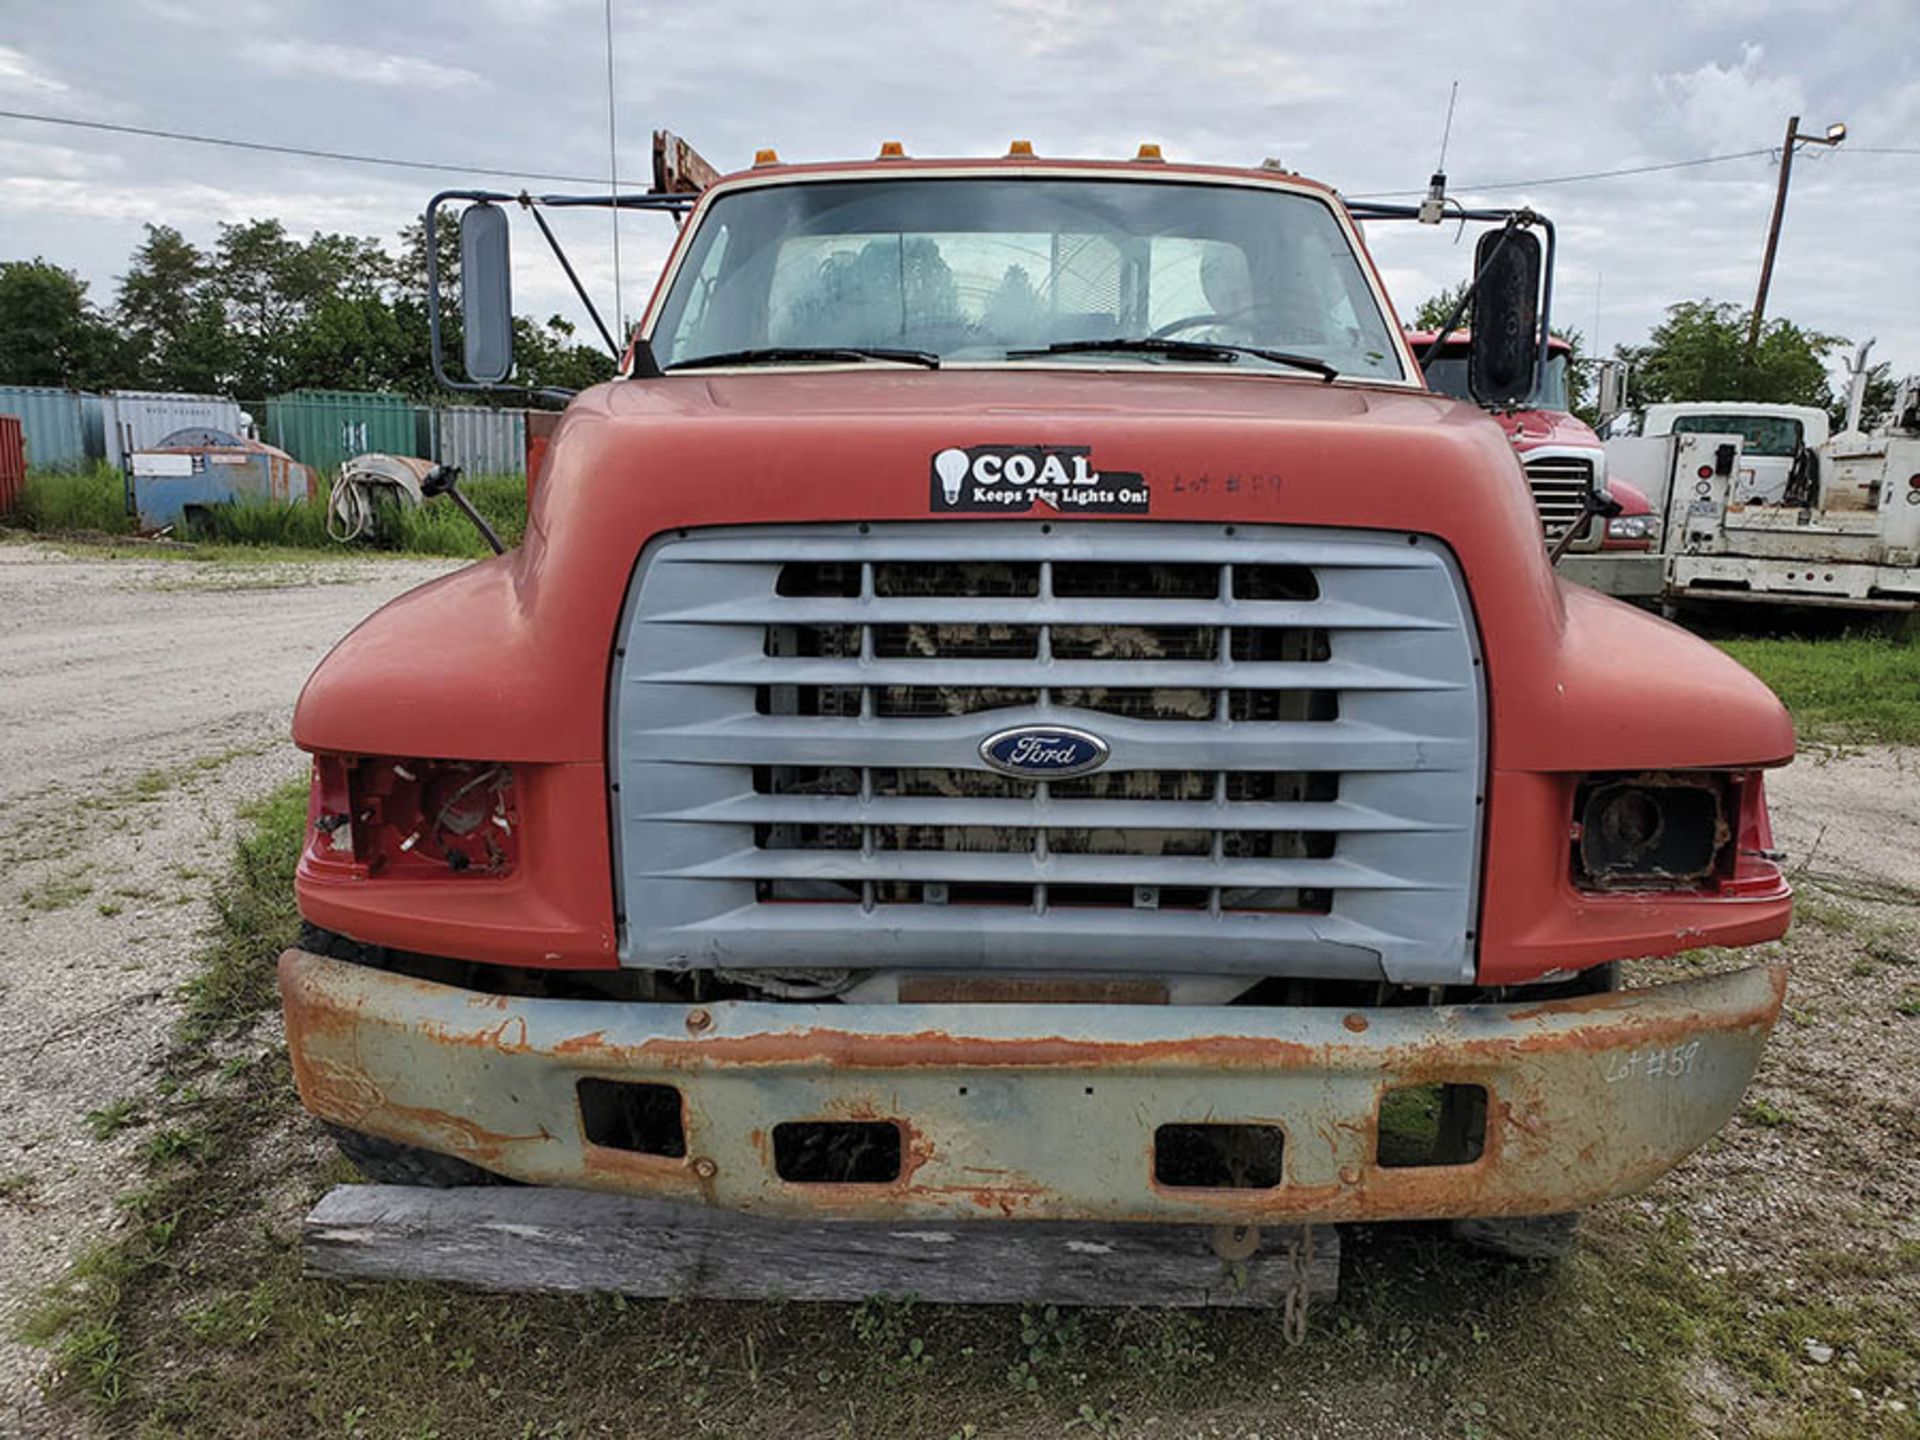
x=1015, y=479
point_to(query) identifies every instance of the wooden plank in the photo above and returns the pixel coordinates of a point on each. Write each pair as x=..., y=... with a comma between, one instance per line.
x=525, y=1238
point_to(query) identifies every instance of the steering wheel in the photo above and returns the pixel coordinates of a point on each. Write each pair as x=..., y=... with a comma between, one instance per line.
x=1211, y=317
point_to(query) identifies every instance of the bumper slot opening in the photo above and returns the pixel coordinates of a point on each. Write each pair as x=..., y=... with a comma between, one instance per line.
x=1429, y=1125
x=641, y=1118
x=1218, y=1157
x=837, y=1152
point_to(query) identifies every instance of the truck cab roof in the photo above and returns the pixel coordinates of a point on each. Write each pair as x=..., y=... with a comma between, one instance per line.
x=1661, y=419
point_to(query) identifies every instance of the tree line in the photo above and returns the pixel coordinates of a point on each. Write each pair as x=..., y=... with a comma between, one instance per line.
x=262, y=313
x=1699, y=352
x=259, y=313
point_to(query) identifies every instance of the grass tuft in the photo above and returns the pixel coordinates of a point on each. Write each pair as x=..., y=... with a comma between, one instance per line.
x=94, y=502
x=87, y=501
x=254, y=918
x=1856, y=690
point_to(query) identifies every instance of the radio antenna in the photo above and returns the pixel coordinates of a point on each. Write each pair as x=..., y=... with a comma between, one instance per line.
x=613, y=176
x=1435, y=205
x=1446, y=133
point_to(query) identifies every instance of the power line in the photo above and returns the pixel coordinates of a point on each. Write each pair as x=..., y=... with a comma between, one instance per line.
x=349, y=157
x=260, y=145
x=1572, y=179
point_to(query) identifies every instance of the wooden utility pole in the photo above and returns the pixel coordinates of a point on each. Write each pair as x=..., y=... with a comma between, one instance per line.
x=1773, y=234
x=1835, y=134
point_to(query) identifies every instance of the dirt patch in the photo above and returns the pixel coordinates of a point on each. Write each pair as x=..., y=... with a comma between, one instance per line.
x=143, y=703
x=1805, y=1212
x=1850, y=814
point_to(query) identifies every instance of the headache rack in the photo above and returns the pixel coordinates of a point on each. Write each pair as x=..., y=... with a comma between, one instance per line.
x=1294, y=718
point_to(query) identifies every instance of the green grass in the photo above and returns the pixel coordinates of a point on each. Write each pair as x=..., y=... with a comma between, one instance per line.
x=1850, y=690
x=110, y=1119
x=84, y=501
x=94, y=503
x=254, y=919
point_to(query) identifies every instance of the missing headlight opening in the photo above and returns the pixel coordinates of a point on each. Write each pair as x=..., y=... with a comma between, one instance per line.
x=1664, y=830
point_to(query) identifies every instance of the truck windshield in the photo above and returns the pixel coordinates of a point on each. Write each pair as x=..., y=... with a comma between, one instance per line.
x=974, y=269
x=1774, y=436
x=1448, y=376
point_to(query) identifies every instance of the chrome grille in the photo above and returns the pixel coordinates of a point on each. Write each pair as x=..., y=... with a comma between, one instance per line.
x=1294, y=717
x=1559, y=484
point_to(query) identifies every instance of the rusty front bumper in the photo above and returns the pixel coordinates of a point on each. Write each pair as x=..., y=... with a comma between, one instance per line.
x=1039, y=1111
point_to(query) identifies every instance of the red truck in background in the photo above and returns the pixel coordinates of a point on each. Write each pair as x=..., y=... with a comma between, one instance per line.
x=1021, y=702
x=1563, y=458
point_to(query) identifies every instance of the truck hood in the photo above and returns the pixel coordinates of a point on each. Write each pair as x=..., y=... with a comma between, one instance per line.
x=520, y=646
x=1531, y=429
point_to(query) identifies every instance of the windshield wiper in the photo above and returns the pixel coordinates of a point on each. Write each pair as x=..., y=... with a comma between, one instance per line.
x=1182, y=349
x=776, y=354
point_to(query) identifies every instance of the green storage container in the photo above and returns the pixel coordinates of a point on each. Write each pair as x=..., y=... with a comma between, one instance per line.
x=325, y=428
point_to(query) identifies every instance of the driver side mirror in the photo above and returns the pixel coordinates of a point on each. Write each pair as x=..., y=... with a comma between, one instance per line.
x=486, y=293
x=1504, y=363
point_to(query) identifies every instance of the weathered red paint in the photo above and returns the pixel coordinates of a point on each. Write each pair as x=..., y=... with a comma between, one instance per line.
x=13, y=463
x=1577, y=682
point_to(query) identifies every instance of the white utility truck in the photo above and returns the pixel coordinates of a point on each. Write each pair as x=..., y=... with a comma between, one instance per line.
x=1759, y=504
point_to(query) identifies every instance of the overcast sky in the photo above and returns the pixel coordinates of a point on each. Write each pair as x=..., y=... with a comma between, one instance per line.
x=1353, y=93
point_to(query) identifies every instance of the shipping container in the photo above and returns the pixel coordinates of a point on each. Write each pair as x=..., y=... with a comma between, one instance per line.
x=323, y=428
x=483, y=441
x=139, y=419
x=13, y=464
x=51, y=421
x=198, y=468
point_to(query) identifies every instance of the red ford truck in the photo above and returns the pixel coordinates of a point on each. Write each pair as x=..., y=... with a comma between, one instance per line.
x=1563, y=459
x=1019, y=702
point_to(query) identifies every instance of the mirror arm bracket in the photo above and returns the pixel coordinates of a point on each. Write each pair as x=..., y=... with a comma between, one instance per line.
x=526, y=203
x=644, y=366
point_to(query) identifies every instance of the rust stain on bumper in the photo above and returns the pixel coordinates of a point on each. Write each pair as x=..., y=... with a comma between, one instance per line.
x=1041, y=1111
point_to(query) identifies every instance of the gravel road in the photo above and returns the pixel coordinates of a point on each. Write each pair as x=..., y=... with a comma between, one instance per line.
x=142, y=702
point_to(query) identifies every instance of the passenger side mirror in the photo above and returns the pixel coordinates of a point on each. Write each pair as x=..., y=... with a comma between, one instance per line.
x=486, y=293
x=1611, y=388
x=1504, y=363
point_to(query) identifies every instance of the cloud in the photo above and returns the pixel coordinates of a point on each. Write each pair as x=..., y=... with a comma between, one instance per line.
x=23, y=157
x=1724, y=106
x=1354, y=94
x=350, y=63
x=348, y=209
x=19, y=75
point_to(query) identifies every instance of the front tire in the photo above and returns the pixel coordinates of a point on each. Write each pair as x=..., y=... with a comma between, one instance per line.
x=388, y=1162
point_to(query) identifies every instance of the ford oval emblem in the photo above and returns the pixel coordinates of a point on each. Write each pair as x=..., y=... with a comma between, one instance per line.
x=1044, y=752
